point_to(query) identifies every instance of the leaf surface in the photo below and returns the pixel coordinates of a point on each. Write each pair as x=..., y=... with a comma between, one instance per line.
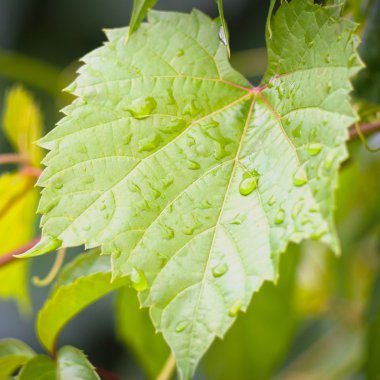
x=193, y=180
x=13, y=354
x=39, y=368
x=83, y=281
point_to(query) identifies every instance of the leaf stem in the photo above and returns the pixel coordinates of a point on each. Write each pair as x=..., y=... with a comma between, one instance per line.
x=106, y=375
x=60, y=256
x=365, y=129
x=13, y=158
x=168, y=369
x=11, y=256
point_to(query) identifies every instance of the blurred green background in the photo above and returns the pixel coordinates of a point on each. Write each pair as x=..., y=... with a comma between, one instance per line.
x=322, y=320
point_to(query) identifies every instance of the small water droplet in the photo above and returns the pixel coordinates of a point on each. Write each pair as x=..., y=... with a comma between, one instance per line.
x=235, y=308
x=219, y=270
x=339, y=37
x=149, y=143
x=168, y=232
x=330, y=158
x=142, y=107
x=180, y=52
x=296, y=132
x=127, y=139
x=86, y=227
x=193, y=165
x=222, y=36
x=313, y=149
x=297, y=208
x=271, y=201
x=138, y=280
x=102, y=207
x=247, y=185
x=174, y=126
x=88, y=180
x=188, y=230
x=58, y=186
x=328, y=87
x=192, y=108
x=328, y=58
x=300, y=176
x=280, y=216
x=181, y=326
x=352, y=60
x=205, y=205
x=310, y=44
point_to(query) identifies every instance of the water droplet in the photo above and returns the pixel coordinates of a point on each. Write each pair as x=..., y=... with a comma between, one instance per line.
x=300, y=176
x=192, y=108
x=328, y=58
x=190, y=140
x=58, y=186
x=138, y=280
x=86, y=227
x=247, y=185
x=235, y=308
x=168, y=232
x=142, y=107
x=313, y=149
x=205, y=205
x=88, y=180
x=296, y=132
x=280, y=216
x=219, y=270
x=193, y=165
x=213, y=124
x=310, y=44
x=102, y=207
x=297, y=208
x=271, y=201
x=180, y=52
x=149, y=143
x=328, y=87
x=188, y=230
x=352, y=60
x=222, y=36
x=330, y=158
x=238, y=218
x=174, y=126
x=181, y=326
x=127, y=139
x=324, y=121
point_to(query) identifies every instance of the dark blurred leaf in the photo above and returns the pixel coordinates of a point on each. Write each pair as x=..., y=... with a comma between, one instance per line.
x=259, y=340
x=136, y=330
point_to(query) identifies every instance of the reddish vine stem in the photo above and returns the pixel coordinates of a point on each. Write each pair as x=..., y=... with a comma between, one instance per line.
x=13, y=158
x=106, y=375
x=365, y=128
x=11, y=256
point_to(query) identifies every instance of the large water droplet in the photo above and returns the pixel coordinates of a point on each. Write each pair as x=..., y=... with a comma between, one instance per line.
x=280, y=216
x=142, y=107
x=149, y=143
x=235, y=308
x=174, y=126
x=219, y=270
x=313, y=149
x=300, y=176
x=138, y=280
x=193, y=165
x=181, y=326
x=247, y=185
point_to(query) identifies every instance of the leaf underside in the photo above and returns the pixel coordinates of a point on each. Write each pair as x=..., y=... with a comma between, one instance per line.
x=193, y=180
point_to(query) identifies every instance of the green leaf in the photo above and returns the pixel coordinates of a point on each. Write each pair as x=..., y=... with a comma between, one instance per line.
x=18, y=203
x=193, y=180
x=271, y=317
x=83, y=281
x=22, y=123
x=13, y=354
x=73, y=364
x=139, y=12
x=135, y=329
x=39, y=368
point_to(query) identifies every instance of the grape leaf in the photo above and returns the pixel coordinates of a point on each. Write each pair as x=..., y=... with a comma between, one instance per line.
x=193, y=180
x=13, y=354
x=139, y=12
x=135, y=329
x=18, y=203
x=73, y=364
x=22, y=123
x=84, y=280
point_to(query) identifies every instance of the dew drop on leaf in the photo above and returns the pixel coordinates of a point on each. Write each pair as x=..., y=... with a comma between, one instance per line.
x=142, y=107
x=181, y=326
x=280, y=216
x=234, y=309
x=219, y=270
x=297, y=208
x=271, y=201
x=300, y=177
x=328, y=58
x=180, y=52
x=328, y=87
x=193, y=165
x=313, y=149
x=138, y=280
x=247, y=185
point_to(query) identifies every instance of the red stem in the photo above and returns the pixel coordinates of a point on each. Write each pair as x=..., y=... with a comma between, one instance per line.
x=11, y=256
x=106, y=375
x=12, y=158
x=365, y=128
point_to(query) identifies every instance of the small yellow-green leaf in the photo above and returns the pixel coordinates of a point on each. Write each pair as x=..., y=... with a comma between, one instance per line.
x=13, y=354
x=39, y=368
x=22, y=123
x=140, y=10
x=18, y=202
x=83, y=281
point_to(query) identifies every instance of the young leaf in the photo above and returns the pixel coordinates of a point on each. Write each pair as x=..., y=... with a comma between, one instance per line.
x=139, y=12
x=39, y=368
x=22, y=123
x=193, y=180
x=135, y=329
x=223, y=31
x=73, y=364
x=18, y=203
x=13, y=354
x=83, y=281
